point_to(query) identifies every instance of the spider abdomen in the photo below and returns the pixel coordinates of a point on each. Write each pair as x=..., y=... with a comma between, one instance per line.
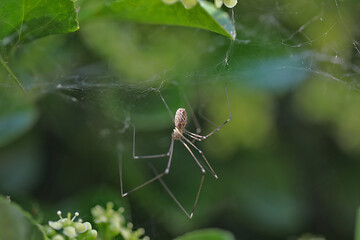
x=180, y=118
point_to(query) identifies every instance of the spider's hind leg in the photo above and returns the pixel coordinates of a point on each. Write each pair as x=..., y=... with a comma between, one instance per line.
x=158, y=176
x=173, y=196
x=189, y=215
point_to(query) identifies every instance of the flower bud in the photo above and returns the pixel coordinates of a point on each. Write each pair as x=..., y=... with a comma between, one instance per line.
x=169, y=1
x=189, y=3
x=230, y=3
x=218, y=3
x=91, y=235
x=57, y=237
x=49, y=231
x=88, y=225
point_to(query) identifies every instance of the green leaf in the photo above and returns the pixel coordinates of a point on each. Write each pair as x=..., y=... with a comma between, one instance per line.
x=24, y=20
x=357, y=225
x=204, y=15
x=17, y=115
x=207, y=234
x=309, y=236
x=16, y=224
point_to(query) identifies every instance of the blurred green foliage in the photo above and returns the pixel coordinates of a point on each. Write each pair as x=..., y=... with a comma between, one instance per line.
x=288, y=161
x=15, y=224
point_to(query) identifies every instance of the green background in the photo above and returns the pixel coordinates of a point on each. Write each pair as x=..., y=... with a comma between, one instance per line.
x=288, y=161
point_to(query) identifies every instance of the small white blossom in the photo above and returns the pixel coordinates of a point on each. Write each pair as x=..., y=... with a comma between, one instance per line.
x=79, y=227
x=70, y=228
x=70, y=232
x=55, y=225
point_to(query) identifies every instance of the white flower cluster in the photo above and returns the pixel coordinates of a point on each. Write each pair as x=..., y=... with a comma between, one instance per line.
x=66, y=228
x=115, y=223
x=192, y=3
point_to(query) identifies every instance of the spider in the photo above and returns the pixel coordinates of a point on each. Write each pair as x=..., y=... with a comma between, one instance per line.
x=179, y=134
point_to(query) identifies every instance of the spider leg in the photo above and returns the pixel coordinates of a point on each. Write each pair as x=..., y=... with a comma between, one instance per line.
x=148, y=156
x=167, y=106
x=193, y=116
x=202, y=179
x=173, y=196
x=158, y=176
x=200, y=187
x=197, y=136
x=190, y=134
x=202, y=154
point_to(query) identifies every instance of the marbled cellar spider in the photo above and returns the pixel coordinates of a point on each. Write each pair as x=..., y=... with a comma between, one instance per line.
x=179, y=134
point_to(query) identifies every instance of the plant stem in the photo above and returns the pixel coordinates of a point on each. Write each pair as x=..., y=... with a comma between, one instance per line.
x=11, y=73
